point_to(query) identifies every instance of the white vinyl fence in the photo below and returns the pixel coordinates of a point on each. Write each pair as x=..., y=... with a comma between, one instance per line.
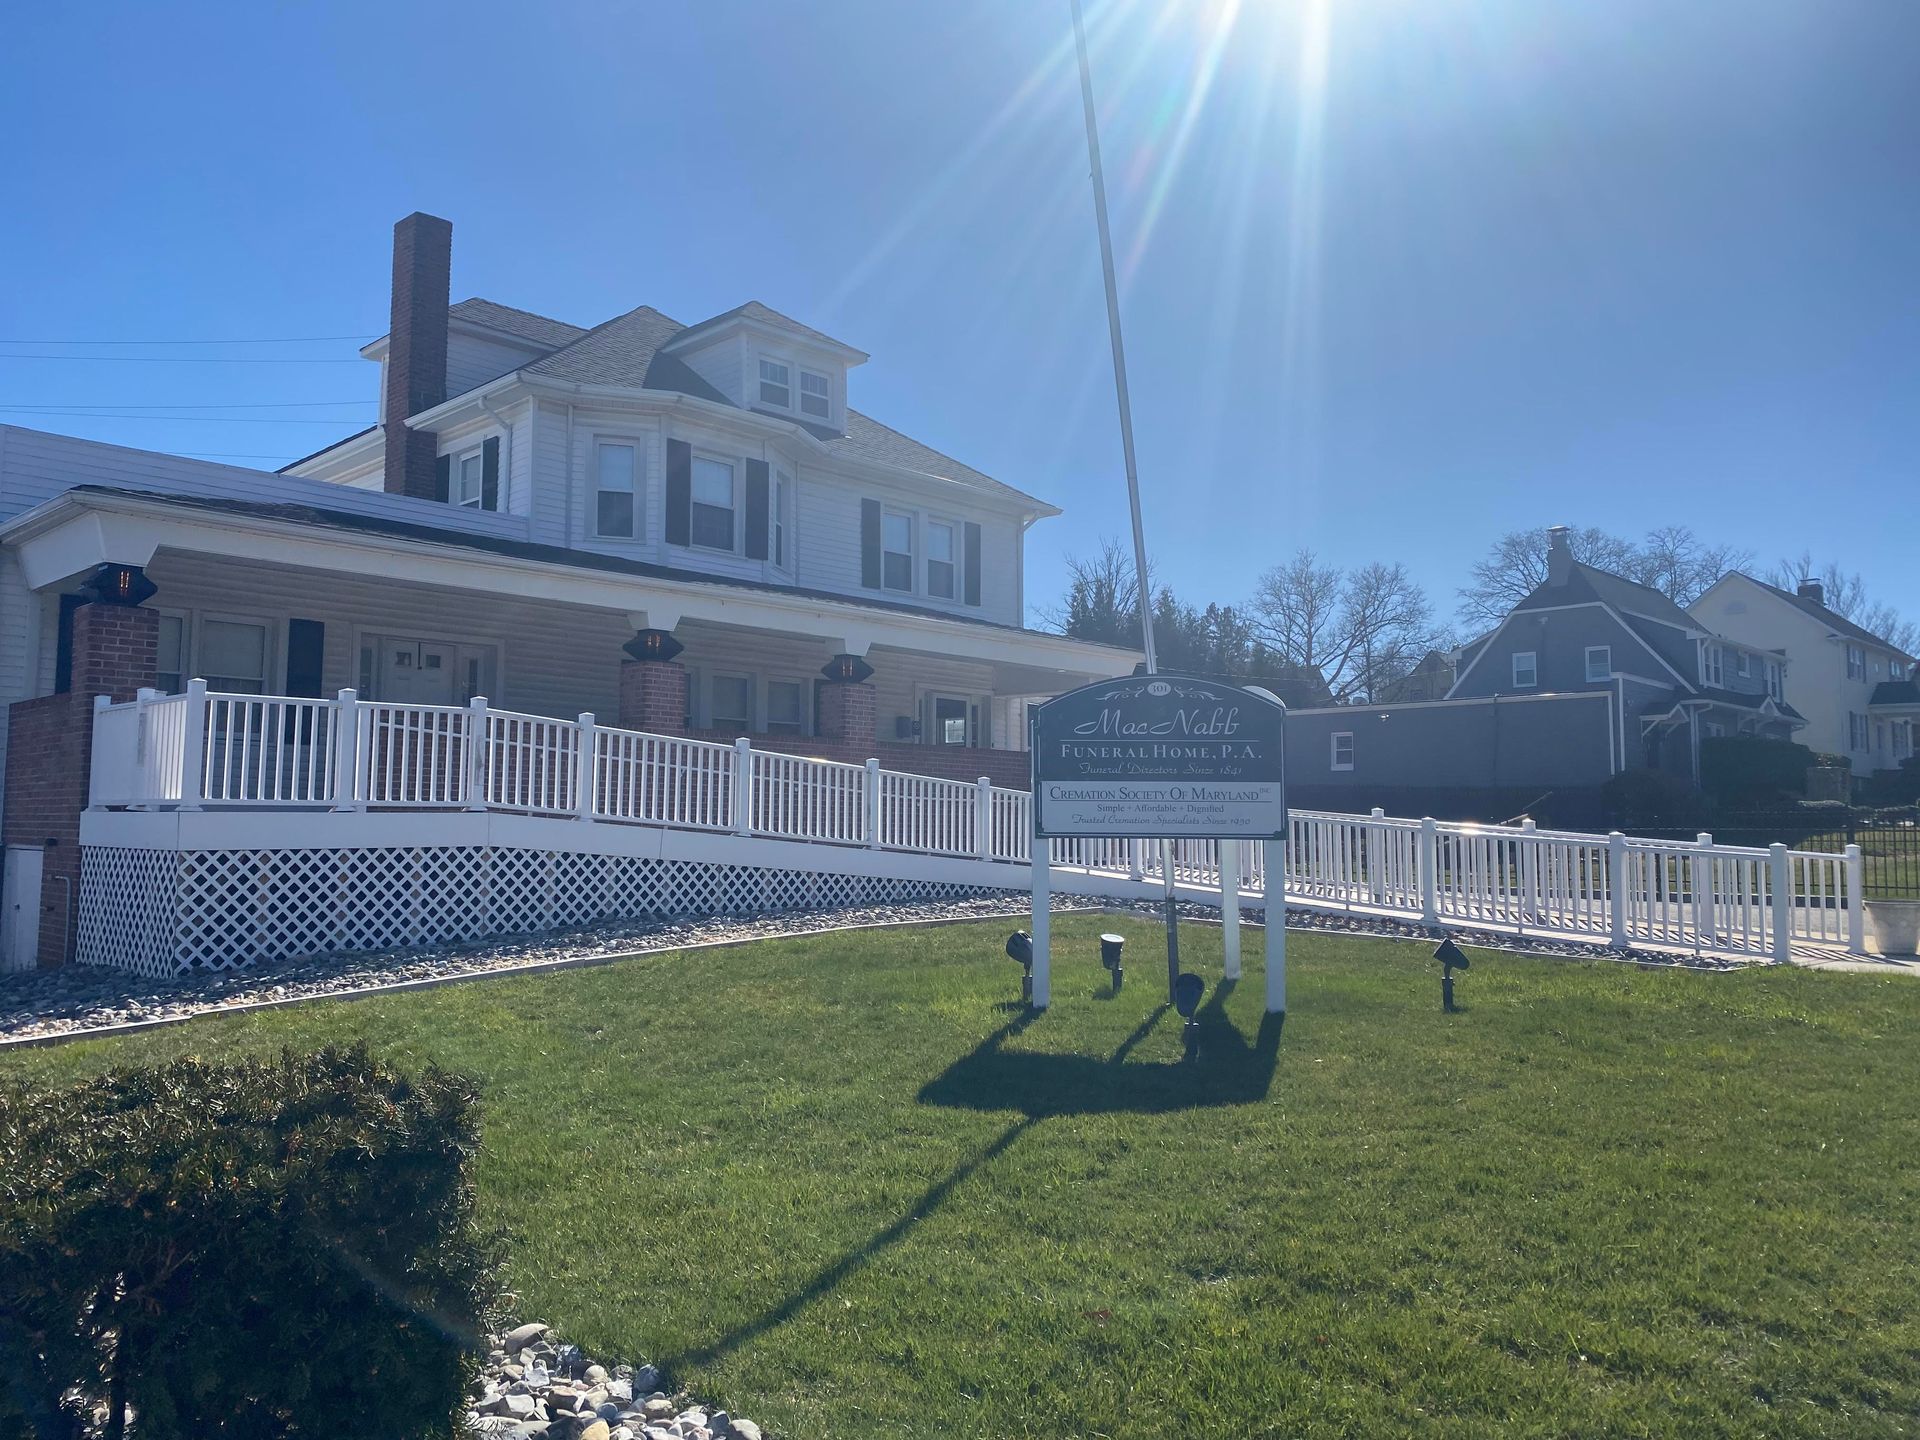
x=207, y=751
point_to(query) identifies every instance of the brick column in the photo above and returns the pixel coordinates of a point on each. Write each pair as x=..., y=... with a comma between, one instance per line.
x=50, y=749
x=653, y=696
x=848, y=715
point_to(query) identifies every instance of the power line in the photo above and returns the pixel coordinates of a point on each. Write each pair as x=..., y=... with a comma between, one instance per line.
x=335, y=420
x=263, y=340
x=185, y=359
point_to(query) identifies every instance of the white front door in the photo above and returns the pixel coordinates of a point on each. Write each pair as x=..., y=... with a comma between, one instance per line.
x=20, y=904
x=416, y=672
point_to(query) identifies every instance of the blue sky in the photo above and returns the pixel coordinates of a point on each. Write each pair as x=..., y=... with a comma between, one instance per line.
x=1397, y=274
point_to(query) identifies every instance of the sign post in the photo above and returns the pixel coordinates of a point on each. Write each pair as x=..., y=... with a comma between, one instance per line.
x=1170, y=757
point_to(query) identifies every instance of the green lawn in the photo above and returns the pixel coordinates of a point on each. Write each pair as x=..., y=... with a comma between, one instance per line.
x=840, y=1184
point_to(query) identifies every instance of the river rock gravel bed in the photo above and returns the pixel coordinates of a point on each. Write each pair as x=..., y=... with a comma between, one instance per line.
x=77, y=999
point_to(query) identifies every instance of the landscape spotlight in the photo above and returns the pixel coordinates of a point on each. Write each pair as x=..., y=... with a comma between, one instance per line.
x=1110, y=946
x=1451, y=958
x=1020, y=951
x=1187, y=990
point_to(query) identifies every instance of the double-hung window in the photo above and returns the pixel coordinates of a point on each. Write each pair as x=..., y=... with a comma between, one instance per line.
x=1599, y=662
x=786, y=707
x=776, y=385
x=1773, y=678
x=1343, y=749
x=816, y=395
x=1856, y=730
x=1856, y=666
x=940, y=555
x=615, y=471
x=1743, y=664
x=782, y=493
x=1712, y=664
x=732, y=703
x=170, y=661
x=1526, y=670
x=896, y=551
x=233, y=656
x=469, y=480
x=712, y=518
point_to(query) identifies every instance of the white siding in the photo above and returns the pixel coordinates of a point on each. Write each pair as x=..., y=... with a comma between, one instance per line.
x=722, y=365
x=473, y=361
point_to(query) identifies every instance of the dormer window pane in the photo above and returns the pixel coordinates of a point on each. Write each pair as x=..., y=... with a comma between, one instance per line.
x=712, y=504
x=896, y=546
x=775, y=385
x=816, y=395
x=940, y=560
x=614, y=491
x=469, y=489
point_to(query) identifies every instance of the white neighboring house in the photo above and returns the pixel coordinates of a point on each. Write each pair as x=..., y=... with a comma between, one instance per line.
x=1856, y=690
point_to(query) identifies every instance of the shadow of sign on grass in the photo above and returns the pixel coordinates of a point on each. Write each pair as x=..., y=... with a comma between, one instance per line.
x=1227, y=1071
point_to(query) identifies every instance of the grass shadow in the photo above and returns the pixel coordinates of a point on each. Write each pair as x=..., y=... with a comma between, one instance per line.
x=1228, y=1070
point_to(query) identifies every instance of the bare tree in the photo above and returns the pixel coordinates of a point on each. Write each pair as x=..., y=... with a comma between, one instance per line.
x=1672, y=559
x=1103, y=597
x=1845, y=593
x=1358, y=629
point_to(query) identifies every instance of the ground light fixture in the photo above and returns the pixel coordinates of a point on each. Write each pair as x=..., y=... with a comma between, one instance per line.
x=1020, y=951
x=1451, y=958
x=1187, y=990
x=1110, y=947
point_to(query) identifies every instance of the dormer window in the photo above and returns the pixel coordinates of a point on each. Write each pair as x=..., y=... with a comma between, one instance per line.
x=816, y=394
x=776, y=385
x=469, y=481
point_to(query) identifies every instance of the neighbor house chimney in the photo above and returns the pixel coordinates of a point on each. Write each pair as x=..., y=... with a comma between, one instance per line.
x=1813, y=590
x=1559, y=555
x=416, y=349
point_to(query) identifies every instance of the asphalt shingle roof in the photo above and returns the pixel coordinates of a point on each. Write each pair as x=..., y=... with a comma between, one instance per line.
x=767, y=315
x=1895, y=692
x=1587, y=583
x=524, y=323
x=1831, y=618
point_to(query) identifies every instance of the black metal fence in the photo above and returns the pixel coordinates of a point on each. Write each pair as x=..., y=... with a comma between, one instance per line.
x=1889, y=840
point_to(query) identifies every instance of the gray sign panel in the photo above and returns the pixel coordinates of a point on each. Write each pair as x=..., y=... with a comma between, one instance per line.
x=1160, y=756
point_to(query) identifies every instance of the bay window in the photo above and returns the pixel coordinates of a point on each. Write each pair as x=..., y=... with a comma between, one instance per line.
x=712, y=518
x=615, y=467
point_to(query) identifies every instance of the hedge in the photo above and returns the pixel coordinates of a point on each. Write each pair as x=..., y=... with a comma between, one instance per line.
x=276, y=1248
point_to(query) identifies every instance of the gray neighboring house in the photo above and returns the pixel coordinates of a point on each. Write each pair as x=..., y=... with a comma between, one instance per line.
x=1672, y=683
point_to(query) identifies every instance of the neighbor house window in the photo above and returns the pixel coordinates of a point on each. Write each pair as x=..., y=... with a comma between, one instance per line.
x=940, y=550
x=1712, y=664
x=233, y=656
x=614, y=469
x=776, y=384
x=1599, y=662
x=1773, y=678
x=896, y=551
x=712, y=504
x=816, y=394
x=469, y=480
x=170, y=662
x=732, y=707
x=1715, y=730
x=1526, y=670
x=782, y=488
x=1743, y=664
x=1856, y=663
x=1343, y=749
x=786, y=705
x=1856, y=730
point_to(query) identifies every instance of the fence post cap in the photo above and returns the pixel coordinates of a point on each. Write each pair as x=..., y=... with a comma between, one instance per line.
x=348, y=695
x=585, y=717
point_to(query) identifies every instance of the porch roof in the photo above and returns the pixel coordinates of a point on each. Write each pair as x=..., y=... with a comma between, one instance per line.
x=91, y=525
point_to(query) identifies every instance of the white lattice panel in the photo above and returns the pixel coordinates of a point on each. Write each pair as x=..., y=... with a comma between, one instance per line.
x=162, y=912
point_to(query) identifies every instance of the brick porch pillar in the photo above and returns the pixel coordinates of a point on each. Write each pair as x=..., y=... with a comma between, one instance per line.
x=50, y=747
x=653, y=696
x=849, y=715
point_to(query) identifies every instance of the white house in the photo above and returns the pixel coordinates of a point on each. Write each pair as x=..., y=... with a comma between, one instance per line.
x=1855, y=689
x=680, y=529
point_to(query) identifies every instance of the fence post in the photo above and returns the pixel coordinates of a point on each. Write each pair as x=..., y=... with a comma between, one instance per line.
x=1230, y=905
x=743, y=786
x=94, y=773
x=1530, y=908
x=1616, y=891
x=1782, y=884
x=1856, y=903
x=1426, y=858
x=872, y=798
x=346, y=750
x=1134, y=870
x=1376, y=850
x=983, y=819
x=193, y=747
x=586, y=765
x=477, y=753
x=1701, y=872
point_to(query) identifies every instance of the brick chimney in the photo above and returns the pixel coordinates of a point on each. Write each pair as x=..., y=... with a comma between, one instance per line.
x=1813, y=590
x=1559, y=555
x=416, y=348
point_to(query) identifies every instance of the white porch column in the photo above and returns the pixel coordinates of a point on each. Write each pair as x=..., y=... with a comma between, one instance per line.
x=1230, y=905
x=1275, y=900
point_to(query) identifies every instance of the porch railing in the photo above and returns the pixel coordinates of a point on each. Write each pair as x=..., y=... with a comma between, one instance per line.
x=201, y=750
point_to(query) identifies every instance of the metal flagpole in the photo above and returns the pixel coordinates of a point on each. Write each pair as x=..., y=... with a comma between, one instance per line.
x=1145, y=597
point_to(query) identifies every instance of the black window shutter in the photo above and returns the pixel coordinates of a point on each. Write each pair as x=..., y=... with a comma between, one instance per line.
x=306, y=646
x=679, y=493
x=490, y=473
x=443, y=478
x=756, y=509
x=973, y=563
x=870, y=544
x=63, y=644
